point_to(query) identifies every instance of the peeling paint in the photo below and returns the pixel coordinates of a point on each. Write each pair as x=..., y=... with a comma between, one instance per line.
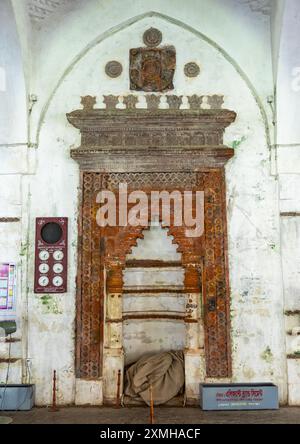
x=237, y=143
x=50, y=304
x=267, y=355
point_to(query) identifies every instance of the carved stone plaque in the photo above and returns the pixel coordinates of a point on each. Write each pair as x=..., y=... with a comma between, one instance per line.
x=151, y=149
x=113, y=69
x=152, y=37
x=191, y=69
x=152, y=69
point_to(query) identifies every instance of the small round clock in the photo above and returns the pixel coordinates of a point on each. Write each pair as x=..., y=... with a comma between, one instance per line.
x=58, y=268
x=57, y=281
x=58, y=255
x=43, y=281
x=43, y=268
x=44, y=255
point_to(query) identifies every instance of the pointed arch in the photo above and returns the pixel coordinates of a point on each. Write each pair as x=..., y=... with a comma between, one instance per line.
x=130, y=22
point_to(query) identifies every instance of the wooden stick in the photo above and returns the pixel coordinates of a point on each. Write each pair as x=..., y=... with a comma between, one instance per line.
x=54, y=407
x=151, y=405
x=118, y=390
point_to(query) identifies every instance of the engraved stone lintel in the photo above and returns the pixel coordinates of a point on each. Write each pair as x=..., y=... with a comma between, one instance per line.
x=174, y=101
x=111, y=101
x=139, y=160
x=155, y=128
x=215, y=101
x=130, y=101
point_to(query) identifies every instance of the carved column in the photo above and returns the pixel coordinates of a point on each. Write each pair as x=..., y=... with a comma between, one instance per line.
x=194, y=348
x=154, y=143
x=113, y=342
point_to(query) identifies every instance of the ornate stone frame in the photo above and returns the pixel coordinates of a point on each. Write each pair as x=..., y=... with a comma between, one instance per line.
x=143, y=143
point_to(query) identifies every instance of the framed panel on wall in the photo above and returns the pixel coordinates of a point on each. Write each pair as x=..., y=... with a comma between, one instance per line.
x=51, y=255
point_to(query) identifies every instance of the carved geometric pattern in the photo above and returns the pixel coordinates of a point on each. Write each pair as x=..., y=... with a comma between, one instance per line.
x=155, y=128
x=90, y=290
x=144, y=180
x=216, y=294
x=110, y=246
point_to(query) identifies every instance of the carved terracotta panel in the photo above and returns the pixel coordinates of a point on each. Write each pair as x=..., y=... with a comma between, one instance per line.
x=152, y=69
x=109, y=246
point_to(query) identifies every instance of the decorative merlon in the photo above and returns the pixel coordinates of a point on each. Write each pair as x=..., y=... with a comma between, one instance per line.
x=119, y=139
x=153, y=101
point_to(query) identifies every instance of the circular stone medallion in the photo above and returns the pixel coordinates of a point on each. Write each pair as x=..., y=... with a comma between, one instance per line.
x=191, y=69
x=113, y=69
x=152, y=37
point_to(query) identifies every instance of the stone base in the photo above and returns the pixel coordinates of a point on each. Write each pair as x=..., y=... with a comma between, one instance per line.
x=194, y=374
x=89, y=392
x=113, y=362
x=294, y=382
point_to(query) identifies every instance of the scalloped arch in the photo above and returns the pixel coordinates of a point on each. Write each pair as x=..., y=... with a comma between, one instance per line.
x=179, y=23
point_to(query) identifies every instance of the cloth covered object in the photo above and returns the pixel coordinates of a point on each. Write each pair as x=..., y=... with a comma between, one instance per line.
x=165, y=371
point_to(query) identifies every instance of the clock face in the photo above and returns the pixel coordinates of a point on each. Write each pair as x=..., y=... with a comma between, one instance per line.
x=57, y=281
x=58, y=255
x=43, y=281
x=58, y=268
x=44, y=268
x=44, y=255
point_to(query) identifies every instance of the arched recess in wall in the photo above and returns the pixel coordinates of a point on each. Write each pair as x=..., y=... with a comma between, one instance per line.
x=126, y=24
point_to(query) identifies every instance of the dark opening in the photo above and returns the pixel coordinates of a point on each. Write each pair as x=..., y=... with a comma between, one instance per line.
x=51, y=233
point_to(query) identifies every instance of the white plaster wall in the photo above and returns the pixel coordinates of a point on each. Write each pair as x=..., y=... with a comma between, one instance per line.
x=288, y=152
x=155, y=245
x=254, y=244
x=277, y=12
x=13, y=119
x=146, y=336
x=13, y=164
x=143, y=337
x=243, y=31
x=69, y=54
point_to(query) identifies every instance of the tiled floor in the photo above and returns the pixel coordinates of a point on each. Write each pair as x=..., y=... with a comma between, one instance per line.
x=163, y=415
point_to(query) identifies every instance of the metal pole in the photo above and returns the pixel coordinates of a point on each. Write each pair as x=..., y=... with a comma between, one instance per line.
x=54, y=407
x=151, y=405
x=118, y=390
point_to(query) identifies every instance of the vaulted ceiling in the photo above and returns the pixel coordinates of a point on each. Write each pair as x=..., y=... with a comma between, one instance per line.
x=41, y=10
x=263, y=6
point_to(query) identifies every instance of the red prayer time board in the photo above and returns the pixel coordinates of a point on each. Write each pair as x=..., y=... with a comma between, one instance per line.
x=51, y=255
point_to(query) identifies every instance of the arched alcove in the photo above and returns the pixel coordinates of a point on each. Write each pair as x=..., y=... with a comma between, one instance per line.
x=247, y=171
x=153, y=296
